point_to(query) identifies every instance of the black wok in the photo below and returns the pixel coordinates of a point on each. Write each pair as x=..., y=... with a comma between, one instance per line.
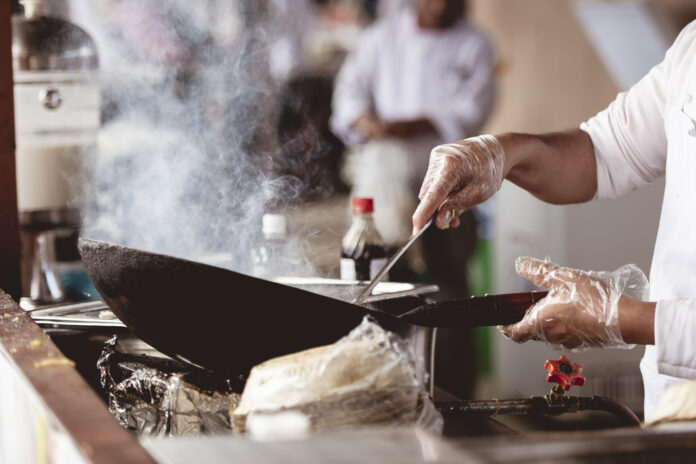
x=214, y=317
x=227, y=321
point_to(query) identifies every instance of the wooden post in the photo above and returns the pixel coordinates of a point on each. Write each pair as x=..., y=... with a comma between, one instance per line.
x=9, y=226
x=51, y=389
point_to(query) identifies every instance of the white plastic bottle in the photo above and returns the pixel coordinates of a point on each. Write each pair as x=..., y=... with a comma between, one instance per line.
x=267, y=257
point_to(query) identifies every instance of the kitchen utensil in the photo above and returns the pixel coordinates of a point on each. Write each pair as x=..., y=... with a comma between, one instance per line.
x=89, y=315
x=475, y=311
x=390, y=263
x=67, y=309
x=347, y=290
x=78, y=322
x=224, y=320
x=214, y=317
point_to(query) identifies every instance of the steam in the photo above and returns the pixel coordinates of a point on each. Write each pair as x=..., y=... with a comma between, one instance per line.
x=187, y=161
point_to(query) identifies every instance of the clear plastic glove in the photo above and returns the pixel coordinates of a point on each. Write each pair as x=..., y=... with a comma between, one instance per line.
x=460, y=175
x=581, y=309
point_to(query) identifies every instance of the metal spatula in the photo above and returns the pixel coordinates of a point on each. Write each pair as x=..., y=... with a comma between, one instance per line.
x=390, y=263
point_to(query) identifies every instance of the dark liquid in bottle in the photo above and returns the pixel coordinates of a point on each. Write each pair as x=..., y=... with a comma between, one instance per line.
x=363, y=260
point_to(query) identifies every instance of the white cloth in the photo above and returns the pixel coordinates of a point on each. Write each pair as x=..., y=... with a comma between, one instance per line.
x=402, y=72
x=641, y=136
x=678, y=404
x=377, y=169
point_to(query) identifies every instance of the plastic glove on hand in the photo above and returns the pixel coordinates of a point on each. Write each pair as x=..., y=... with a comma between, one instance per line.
x=581, y=309
x=460, y=175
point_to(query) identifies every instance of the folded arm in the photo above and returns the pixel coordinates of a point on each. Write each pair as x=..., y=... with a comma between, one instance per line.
x=353, y=119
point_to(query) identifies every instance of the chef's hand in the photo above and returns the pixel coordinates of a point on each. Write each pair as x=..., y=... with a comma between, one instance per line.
x=460, y=175
x=369, y=126
x=585, y=309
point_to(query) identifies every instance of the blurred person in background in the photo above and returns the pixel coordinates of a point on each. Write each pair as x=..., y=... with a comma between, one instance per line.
x=646, y=133
x=419, y=77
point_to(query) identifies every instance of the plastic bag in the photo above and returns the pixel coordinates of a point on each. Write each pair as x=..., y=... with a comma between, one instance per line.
x=369, y=377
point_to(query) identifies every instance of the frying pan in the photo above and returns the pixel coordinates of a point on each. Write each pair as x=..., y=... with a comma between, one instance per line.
x=214, y=317
x=226, y=321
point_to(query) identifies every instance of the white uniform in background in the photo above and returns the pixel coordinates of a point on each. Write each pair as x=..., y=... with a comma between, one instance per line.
x=645, y=133
x=291, y=20
x=402, y=72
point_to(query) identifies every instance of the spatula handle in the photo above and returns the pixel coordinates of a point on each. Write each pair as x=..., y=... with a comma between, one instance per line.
x=514, y=303
x=501, y=309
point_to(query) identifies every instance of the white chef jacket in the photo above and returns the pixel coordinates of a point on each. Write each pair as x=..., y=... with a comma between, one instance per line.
x=648, y=132
x=400, y=72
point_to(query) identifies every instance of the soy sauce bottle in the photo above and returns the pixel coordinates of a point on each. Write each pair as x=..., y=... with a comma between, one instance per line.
x=363, y=252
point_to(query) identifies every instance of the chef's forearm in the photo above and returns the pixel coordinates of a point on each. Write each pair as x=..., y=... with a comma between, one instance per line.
x=637, y=321
x=557, y=168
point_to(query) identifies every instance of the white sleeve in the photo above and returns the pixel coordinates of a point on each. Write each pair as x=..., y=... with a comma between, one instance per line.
x=629, y=137
x=675, y=337
x=468, y=107
x=352, y=95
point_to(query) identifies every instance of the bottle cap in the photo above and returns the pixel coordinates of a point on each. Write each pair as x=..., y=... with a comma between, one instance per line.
x=274, y=224
x=363, y=205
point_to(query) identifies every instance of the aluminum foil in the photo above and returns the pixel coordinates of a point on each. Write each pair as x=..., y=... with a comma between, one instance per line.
x=161, y=400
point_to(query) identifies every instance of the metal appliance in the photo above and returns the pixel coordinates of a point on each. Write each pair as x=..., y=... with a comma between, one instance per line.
x=57, y=114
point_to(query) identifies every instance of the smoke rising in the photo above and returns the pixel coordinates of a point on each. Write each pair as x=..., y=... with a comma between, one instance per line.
x=188, y=161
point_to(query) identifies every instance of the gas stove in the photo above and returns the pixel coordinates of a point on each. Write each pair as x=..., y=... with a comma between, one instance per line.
x=152, y=394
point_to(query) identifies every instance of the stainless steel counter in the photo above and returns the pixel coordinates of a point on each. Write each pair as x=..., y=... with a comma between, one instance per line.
x=407, y=446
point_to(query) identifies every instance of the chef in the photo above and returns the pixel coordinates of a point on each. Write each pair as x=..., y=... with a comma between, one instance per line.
x=646, y=133
x=422, y=72
x=420, y=77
